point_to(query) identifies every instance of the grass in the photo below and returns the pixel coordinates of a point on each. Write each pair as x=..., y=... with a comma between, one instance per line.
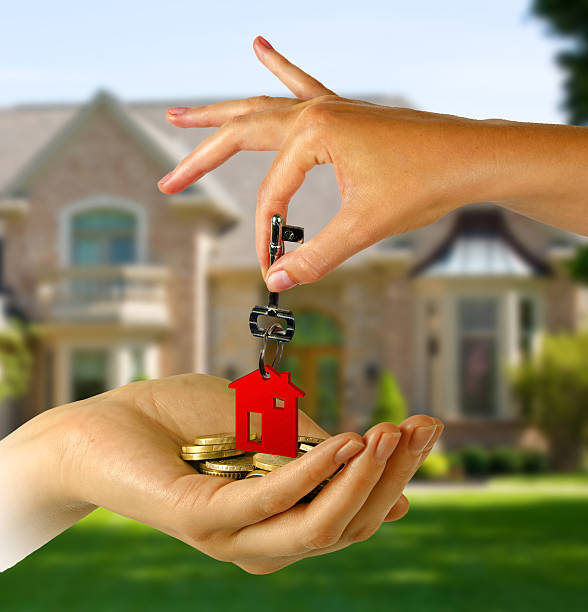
x=475, y=550
x=579, y=479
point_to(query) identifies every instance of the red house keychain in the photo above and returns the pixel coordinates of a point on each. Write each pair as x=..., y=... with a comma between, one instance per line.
x=265, y=390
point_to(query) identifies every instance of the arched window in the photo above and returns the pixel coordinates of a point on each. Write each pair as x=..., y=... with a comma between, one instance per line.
x=314, y=358
x=103, y=237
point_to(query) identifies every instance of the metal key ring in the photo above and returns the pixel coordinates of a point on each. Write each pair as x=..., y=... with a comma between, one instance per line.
x=279, y=350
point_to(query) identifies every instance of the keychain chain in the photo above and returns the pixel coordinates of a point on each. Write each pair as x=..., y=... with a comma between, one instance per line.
x=278, y=234
x=279, y=351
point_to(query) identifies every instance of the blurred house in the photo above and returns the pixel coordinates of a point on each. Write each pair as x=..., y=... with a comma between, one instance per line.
x=120, y=282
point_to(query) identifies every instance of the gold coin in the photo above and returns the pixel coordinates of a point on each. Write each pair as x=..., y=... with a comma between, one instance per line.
x=238, y=464
x=309, y=440
x=268, y=462
x=305, y=447
x=218, y=438
x=232, y=475
x=256, y=474
x=208, y=448
x=213, y=455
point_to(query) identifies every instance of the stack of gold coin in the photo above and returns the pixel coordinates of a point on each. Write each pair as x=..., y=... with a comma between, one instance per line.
x=216, y=455
x=214, y=446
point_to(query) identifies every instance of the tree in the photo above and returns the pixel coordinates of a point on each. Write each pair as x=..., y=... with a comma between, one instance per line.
x=15, y=362
x=553, y=389
x=390, y=405
x=578, y=265
x=570, y=20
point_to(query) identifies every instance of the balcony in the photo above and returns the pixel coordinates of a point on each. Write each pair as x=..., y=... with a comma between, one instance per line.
x=132, y=295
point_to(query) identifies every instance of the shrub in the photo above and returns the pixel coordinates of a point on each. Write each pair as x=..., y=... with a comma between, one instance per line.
x=16, y=361
x=578, y=265
x=436, y=466
x=475, y=460
x=553, y=390
x=390, y=405
x=505, y=460
x=534, y=462
x=140, y=377
x=455, y=462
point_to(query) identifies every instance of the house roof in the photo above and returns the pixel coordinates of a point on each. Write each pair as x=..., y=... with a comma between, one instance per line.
x=162, y=149
x=27, y=130
x=481, y=244
x=283, y=379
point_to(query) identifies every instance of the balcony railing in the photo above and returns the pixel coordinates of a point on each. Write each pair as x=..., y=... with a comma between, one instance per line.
x=132, y=294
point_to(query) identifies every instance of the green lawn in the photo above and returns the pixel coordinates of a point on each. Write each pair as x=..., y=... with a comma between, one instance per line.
x=479, y=550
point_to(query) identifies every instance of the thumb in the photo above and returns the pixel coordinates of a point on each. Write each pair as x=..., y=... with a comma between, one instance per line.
x=342, y=238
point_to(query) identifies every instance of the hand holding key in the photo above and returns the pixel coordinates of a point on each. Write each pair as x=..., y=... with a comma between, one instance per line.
x=397, y=169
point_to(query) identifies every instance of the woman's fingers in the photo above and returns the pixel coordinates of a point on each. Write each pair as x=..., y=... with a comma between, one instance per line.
x=302, y=85
x=398, y=510
x=250, y=501
x=311, y=261
x=285, y=176
x=418, y=434
x=385, y=501
x=256, y=132
x=319, y=525
x=214, y=115
x=342, y=237
x=345, y=495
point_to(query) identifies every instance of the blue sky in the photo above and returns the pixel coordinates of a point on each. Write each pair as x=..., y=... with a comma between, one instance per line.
x=478, y=59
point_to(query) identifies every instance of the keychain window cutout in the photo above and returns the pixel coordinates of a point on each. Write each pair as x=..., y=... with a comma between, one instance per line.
x=259, y=420
x=279, y=426
x=279, y=402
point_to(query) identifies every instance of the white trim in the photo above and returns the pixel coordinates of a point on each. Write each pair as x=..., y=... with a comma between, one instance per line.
x=201, y=250
x=101, y=201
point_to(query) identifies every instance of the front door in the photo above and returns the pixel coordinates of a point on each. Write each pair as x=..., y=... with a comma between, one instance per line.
x=314, y=359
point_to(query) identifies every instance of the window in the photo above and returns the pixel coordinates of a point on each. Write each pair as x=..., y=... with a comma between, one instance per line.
x=102, y=237
x=89, y=373
x=477, y=320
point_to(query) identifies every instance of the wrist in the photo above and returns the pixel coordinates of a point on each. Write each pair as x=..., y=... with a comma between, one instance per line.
x=37, y=501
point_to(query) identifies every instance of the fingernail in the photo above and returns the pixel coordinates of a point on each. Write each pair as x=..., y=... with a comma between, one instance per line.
x=386, y=445
x=279, y=281
x=166, y=178
x=264, y=42
x=434, y=438
x=420, y=438
x=348, y=450
x=177, y=110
